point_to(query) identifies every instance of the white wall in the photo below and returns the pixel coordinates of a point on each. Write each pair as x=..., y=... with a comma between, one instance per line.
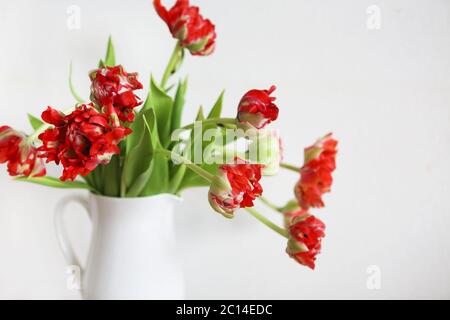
x=384, y=93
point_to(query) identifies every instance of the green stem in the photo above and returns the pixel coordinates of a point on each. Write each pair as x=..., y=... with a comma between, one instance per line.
x=268, y=223
x=290, y=167
x=171, y=65
x=270, y=204
x=198, y=170
x=211, y=121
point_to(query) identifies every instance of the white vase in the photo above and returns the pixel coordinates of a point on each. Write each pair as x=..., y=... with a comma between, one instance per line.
x=133, y=253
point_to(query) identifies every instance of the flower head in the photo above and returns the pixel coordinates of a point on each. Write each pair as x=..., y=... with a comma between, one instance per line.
x=112, y=88
x=305, y=237
x=20, y=154
x=236, y=186
x=80, y=141
x=186, y=24
x=257, y=108
x=315, y=175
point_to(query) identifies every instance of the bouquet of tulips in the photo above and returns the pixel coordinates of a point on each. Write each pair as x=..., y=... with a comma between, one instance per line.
x=118, y=145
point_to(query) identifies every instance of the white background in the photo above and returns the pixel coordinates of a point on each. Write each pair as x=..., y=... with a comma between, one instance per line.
x=384, y=93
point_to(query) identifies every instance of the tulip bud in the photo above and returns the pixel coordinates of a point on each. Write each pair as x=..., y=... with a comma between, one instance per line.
x=256, y=108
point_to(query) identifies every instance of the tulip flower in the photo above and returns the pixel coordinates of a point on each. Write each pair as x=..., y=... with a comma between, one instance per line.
x=236, y=186
x=20, y=154
x=257, y=108
x=80, y=141
x=315, y=175
x=186, y=24
x=305, y=238
x=112, y=88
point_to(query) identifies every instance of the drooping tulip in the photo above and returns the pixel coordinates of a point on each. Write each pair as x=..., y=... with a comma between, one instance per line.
x=316, y=174
x=305, y=239
x=236, y=186
x=20, y=154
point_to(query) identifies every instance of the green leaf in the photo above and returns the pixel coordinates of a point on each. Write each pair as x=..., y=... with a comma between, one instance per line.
x=162, y=104
x=72, y=88
x=147, y=105
x=138, y=129
x=138, y=160
x=158, y=182
x=111, y=176
x=178, y=105
x=34, y=121
x=110, y=59
x=159, y=179
x=98, y=178
x=216, y=110
x=89, y=180
x=143, y=178
x=176, y=177
x=54, y=182
x=190, y=178
x=200, y=114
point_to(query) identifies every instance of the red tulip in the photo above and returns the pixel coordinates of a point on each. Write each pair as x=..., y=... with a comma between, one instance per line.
x=305, y=237
x=80, y=141
x=236, y=186
x=113, y=89
x=20, y=154
x=315, y=175
x=257, y=108
x=186, y=24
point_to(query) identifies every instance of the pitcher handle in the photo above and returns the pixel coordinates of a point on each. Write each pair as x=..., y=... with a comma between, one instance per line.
x=74, y=268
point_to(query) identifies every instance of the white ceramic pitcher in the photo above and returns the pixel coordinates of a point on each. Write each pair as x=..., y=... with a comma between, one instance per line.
x=133, y=253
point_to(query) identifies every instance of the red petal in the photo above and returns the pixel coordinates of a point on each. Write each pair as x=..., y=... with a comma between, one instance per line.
x=53, y=116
